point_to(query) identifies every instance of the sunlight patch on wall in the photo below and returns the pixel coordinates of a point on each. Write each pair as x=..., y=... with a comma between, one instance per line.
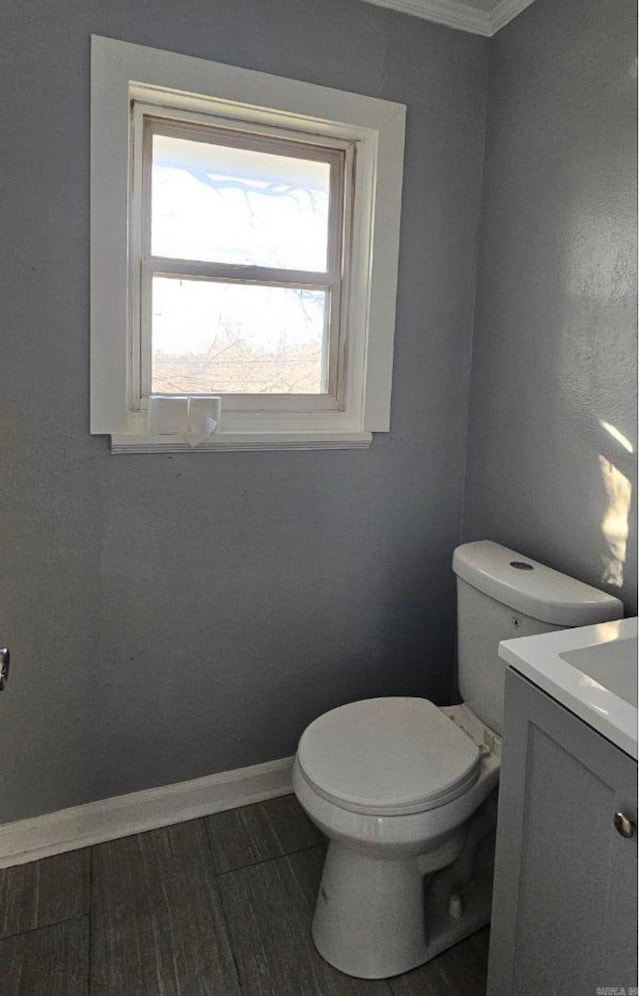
x=615, y=522
x=617, y=435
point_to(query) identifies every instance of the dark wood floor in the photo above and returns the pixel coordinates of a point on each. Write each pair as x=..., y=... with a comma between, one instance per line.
x=220, y=906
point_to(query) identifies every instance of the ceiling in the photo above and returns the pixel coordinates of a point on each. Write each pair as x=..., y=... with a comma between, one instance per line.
x=480, y=17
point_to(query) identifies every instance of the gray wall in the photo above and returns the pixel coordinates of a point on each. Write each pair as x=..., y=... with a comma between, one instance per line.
x=173, y=616
x=555, y=339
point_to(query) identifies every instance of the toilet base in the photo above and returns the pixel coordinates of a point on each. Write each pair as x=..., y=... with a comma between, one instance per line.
x=369, y=914
x=377, y=918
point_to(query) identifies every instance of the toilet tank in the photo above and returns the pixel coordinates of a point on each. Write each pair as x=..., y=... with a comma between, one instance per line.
x=501, y=595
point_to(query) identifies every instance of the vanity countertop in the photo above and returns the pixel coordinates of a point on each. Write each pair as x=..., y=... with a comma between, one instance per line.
x=592, y=670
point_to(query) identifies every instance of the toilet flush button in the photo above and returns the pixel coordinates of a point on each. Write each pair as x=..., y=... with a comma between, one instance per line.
x=5, y=658
x=623, y=825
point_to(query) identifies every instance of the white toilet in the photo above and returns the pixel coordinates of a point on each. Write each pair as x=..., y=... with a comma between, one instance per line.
x=403, y=789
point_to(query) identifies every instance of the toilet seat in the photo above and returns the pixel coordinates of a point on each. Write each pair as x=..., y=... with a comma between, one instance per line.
x=388, y=756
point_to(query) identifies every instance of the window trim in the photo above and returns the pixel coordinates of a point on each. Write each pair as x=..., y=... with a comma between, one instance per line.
x=122, y=72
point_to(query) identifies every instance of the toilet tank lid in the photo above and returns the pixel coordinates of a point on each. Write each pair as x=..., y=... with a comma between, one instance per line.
x=529, y=587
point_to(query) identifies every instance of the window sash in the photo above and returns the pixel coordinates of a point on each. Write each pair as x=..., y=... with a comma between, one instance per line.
x=146, y=122
x=236, y=401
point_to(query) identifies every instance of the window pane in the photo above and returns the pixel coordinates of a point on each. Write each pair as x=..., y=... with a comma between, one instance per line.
x=237, y=338
x=224, y=205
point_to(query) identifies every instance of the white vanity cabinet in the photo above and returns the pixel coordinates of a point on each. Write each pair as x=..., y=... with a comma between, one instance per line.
x=564, y=918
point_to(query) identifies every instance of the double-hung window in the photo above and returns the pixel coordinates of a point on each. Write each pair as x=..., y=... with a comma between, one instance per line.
x=244, y=254
x=239, y=263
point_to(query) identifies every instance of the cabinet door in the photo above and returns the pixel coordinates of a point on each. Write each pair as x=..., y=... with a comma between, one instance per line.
x=564, y=916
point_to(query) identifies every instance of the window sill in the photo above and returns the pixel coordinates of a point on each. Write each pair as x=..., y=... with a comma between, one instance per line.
x=243, y=441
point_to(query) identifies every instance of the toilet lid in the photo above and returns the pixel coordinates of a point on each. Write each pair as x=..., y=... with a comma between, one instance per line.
x=388, y=756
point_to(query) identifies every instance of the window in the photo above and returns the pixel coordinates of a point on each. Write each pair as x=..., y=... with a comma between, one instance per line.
x=240, y=261
x=244, y=255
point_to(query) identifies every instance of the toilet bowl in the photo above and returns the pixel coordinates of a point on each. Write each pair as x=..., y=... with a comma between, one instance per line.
x=360, y=775
x=406, y=791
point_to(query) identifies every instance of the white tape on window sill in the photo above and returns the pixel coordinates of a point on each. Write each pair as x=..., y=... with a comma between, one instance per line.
x=194, y=418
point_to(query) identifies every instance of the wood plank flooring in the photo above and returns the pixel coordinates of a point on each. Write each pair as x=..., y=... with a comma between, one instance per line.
x=220, y=906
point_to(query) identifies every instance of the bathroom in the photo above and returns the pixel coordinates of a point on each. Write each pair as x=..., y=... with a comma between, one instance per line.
x=173, y=616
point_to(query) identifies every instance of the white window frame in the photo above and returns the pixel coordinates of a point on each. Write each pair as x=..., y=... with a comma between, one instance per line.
x=371, y=133
x=150, y=119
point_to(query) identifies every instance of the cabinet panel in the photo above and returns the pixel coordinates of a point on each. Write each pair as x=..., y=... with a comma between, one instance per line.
x=619, y=960
x=564, y=915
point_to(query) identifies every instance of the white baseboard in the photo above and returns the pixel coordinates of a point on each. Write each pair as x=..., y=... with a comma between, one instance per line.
x=123, y=815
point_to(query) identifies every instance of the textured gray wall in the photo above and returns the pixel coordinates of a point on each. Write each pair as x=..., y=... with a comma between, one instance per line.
x=173, y=616
x=555, y=340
